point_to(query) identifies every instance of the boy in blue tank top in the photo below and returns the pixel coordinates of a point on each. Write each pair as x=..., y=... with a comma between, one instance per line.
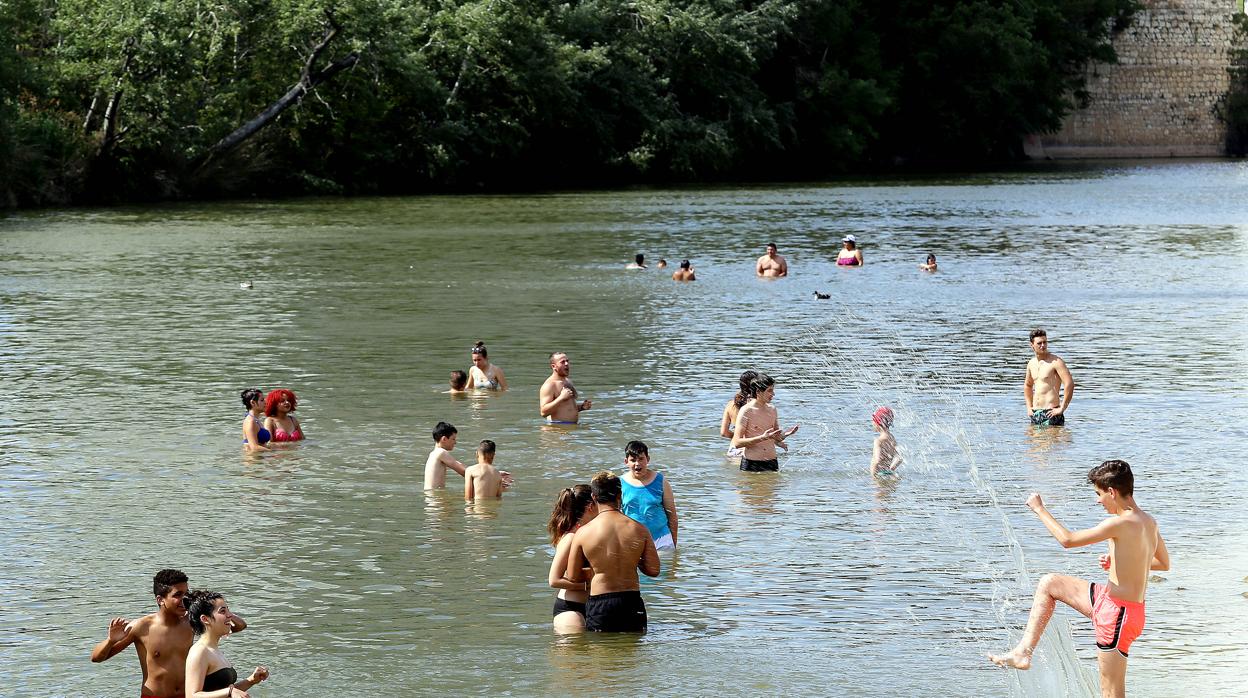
x=647, y=496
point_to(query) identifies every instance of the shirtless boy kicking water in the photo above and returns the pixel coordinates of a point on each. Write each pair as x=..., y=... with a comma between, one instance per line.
x=1116, y=607
x=615, y=547
x=162, y=639
x=1047, y=375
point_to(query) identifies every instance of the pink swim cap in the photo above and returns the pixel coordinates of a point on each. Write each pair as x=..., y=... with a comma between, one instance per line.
x=883, y=417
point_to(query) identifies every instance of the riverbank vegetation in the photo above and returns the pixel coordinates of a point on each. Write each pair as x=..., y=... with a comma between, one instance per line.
x=132, y=100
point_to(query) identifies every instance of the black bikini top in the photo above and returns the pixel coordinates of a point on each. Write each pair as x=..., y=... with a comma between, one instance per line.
x=220, y=678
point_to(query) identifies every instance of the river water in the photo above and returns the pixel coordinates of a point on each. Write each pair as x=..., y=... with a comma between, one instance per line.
x=125, y=339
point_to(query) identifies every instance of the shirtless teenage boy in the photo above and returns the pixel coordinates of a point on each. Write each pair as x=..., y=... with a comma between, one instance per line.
x=1116, y=607
x=758, y=429
x=685, y=272
x=483, y=480
x=1047, y=375
x=771, y=265
x=557, y=398
x=440, y=458
x=615, y=547
x=161, y=639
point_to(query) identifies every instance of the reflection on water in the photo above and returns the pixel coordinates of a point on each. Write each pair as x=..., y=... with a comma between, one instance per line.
x=125, y=338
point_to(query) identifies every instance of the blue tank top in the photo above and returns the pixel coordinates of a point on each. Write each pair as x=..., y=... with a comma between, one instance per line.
x=645, y=505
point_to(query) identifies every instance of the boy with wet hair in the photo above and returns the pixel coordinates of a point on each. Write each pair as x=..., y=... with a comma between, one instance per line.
x=1116, y=607
x=459, y=382
x=483, y=480
x=161, y=639
x=440, y=459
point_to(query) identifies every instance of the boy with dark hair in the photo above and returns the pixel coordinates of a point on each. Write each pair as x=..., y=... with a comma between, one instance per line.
x=444, y=438
x=647, y=496
x=615, y=547
x=161, y=639
x=483, y=480
x=1116, y=607
x=459, y=382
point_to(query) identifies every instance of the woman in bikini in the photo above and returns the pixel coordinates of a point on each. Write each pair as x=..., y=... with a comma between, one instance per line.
x=850, y=255
x=278, y=405
x=484, y=375
x=208, y=673
x=255, y=436
x=728, y=422
x=574, y=508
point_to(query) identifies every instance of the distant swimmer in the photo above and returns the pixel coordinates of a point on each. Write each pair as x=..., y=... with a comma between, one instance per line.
x=278, y=405
x=614, y=547
x=662, y=263
x=758, y=429
x=208, y=673
x=161, y=639
x=1048, y=386
x=255, y=436
x=850, y=255
x=771, y=265
x=884, y=456
x=484, y=375
x=557, y=398
x=1116, y=608
x=648, y=496
x=685, y=272
x=459, y=382
x=639, y=262
x=930, y=264
x=728, y=421
x=574, y=508
x=483, y=480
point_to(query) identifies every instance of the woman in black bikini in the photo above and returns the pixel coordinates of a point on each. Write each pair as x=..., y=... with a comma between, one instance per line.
x=574, y=508
x=208, y=673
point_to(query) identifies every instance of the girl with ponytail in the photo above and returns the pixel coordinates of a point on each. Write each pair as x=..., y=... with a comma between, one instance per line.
x=574, y=508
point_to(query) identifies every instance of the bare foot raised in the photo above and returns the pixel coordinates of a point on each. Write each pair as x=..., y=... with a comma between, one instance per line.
x=1017, y=658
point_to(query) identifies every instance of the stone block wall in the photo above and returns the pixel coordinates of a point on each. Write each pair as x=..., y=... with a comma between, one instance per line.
x=1159, y=100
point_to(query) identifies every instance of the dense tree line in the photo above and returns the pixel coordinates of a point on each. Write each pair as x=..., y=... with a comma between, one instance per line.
x=105, y=100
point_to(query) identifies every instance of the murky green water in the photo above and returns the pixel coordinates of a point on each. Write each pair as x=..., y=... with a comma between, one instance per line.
x=125, y=339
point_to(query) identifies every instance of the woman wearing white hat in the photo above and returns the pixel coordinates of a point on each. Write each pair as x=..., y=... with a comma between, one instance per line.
x=851, y=256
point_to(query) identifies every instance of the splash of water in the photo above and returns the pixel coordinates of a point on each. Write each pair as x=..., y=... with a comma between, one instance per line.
x=943, y=427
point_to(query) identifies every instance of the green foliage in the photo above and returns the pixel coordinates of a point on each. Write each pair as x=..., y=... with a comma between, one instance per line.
x=521, y=93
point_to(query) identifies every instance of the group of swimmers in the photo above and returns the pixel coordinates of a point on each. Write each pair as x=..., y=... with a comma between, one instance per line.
x=269, y=419
x=607, y=531
x=178, y=644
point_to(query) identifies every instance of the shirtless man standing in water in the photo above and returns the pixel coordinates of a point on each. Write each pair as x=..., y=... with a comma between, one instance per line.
x=557, y=398
x=162, y=639
x=615, y=547
x=1046, y=376
x=771, y=265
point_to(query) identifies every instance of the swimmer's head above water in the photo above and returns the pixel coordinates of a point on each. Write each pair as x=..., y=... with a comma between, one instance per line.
x=201, y=609
x=443, y=434
x=459, y=380
x=252, y=397
x=279, y=402
x=570, y=507
x=605, y=488
x=486, y=450
x=883, y=418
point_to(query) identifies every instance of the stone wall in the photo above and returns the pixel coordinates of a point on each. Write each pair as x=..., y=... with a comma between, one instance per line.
x=1159, y=100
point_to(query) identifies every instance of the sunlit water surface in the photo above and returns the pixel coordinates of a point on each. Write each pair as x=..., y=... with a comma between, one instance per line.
x=125, y=340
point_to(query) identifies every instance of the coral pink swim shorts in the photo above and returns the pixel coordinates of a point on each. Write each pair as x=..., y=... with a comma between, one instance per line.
x=1118, y=623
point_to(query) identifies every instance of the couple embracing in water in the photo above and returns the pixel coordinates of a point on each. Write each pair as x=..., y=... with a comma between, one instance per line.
x=175, y=664
x=603, y=534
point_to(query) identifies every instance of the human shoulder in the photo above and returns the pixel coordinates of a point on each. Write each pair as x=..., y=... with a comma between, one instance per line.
x=141, y=627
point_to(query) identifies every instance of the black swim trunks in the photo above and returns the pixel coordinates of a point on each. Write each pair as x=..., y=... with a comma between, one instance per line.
x=616, y=612
x=757, y=466
x=1041, y=418
x=562, y=605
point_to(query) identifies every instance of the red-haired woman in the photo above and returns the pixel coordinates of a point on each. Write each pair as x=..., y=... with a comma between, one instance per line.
x=278, y=405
